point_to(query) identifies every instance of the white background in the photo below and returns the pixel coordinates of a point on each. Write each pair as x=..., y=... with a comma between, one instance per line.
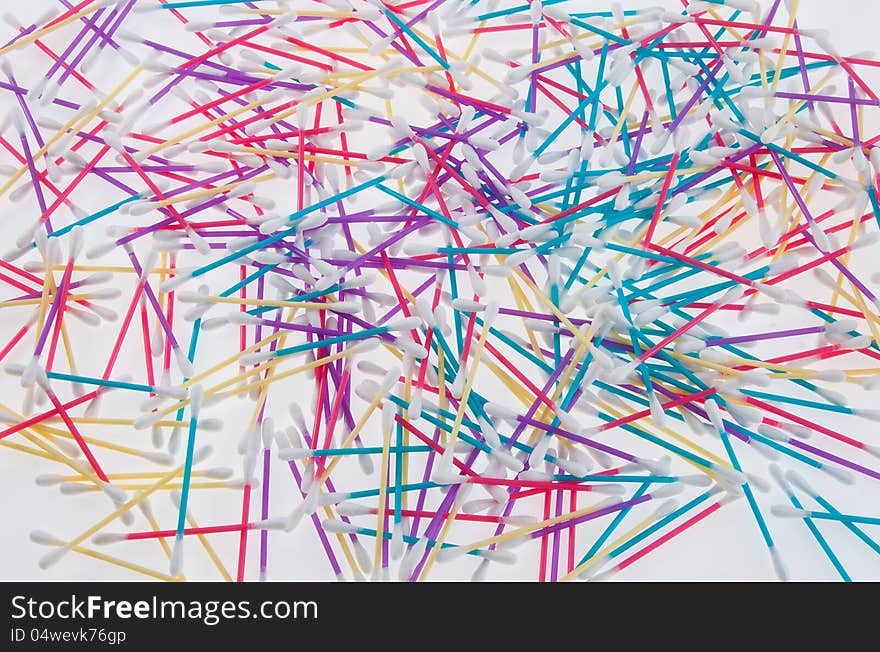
x=725, y=547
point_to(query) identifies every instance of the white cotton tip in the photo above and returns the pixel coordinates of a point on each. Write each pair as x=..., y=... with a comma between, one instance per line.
x=404, y=325
x=18, y=252
x=872, y=450
x=169, y=391
x=146, y=420
x=445, y=477
x=593, y=574
x=533, y=475
x=105, y=293
x=499, y=411
x=873, y=415
x=602, y=458
x=507, y=460
x=830, y=375
x=158, y=457
x=76, y=241
x=45, y=539
x=174, y=282
x=196, y=397
x=52, y=558
x=199, y=242
x=49, y=479
x=106, y=538
x=389, y=381
x=267, y=432
x=451, y=552
x=288, y=453
x=69, y=448
x=202, y=454
x=773, y=433
x=758, y=482
x=351, y=307
x=667, y=491
x=555, y=176
x=353, y=509
x=656, y=467
x=363, y=557
x=657, y=413
x=779, y=566
x=294, y=518
x=865, y=240
x=478, y=505
x=410, y=557
x=366, y=464
x=340, y=527
x=257, y=358
x=729, y=476
x=244, y=318
x=272, y=225
x=210, y=425
x=175, y=568
x=146, y=508
x=183, y=363
x=689, y=344
x=840, y=475
x=695, y=480
x=43, y=383
x=714, y=414
x=298, y=417
x=218, y=473
x=539, y=452
x=768, y=452
x=571, y=467
x=414, y=410
x=389, y=412
x=17, y=195
x=29, y=374
x=479, y=575
x=270, y=524
x=500, y=555
x=397, y=543
x=788, y=511
x=467, y=305
x=567, y=420
x=797, y=480
x=14, y=369
x=608, y=489
x=372, y=368
x=419, y=248
x=173, y=439
x=778, y=476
